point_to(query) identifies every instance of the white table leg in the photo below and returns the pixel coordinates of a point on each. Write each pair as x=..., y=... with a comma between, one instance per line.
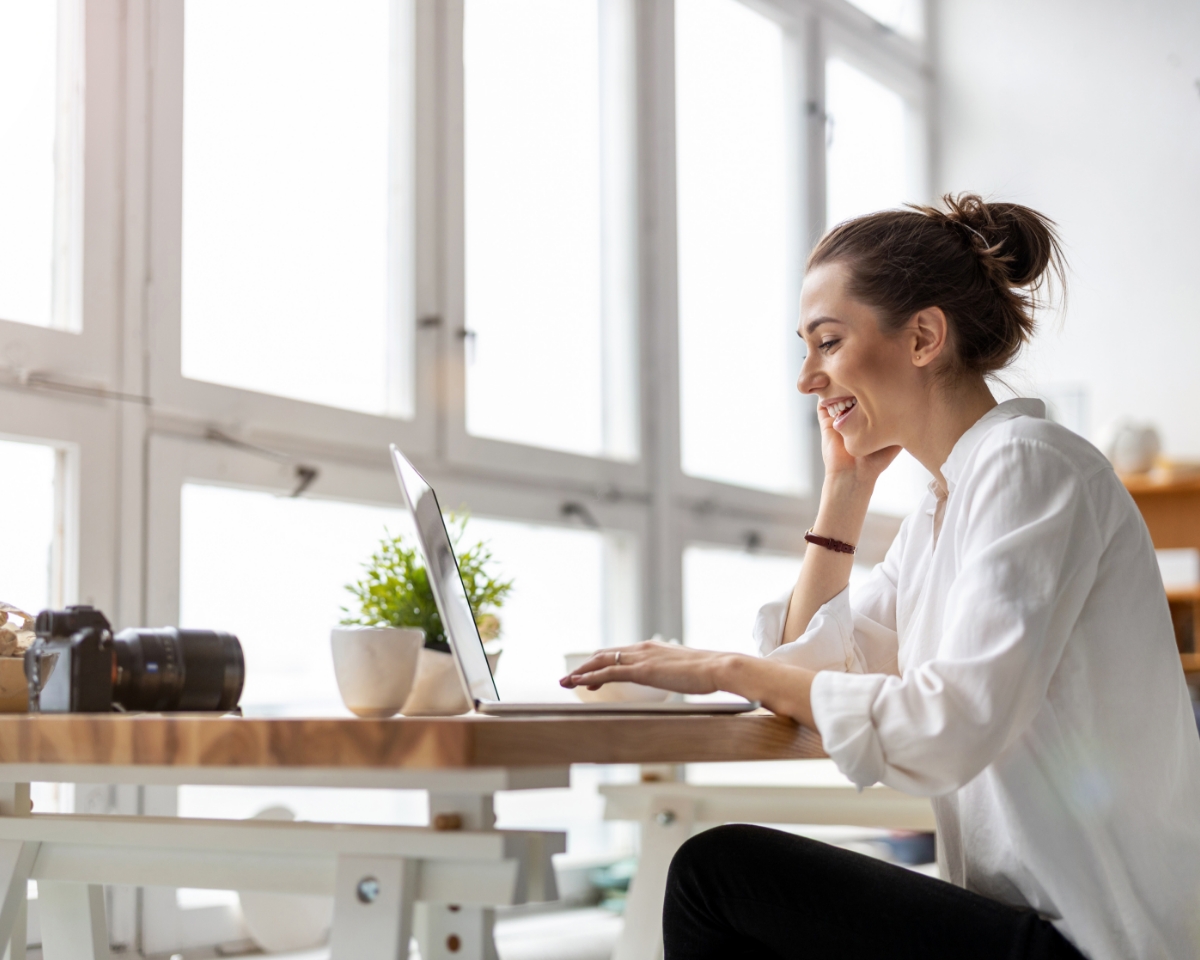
x=449, y=931
x=372, y=908
x=74, y=926
x=16, y=861
x=663, y=832
x=18, y=935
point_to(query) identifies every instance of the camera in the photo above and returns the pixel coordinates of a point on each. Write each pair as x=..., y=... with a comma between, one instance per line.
x=77, y=665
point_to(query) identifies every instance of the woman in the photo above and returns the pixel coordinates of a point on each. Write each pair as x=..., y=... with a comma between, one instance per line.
x=1012, y=657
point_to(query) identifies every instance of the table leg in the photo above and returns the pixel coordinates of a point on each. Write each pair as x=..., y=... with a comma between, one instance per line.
x=663, y=832
x=18, y=935
x=16, y=860
x=447, y=931
x=372, y=908
x=74, y=926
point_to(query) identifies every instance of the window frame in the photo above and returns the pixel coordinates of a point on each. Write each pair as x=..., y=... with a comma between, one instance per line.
x=675, y=503
x=133, y=430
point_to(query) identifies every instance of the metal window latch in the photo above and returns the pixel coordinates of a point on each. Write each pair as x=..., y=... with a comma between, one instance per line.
x=468, y=336
x=306, y=474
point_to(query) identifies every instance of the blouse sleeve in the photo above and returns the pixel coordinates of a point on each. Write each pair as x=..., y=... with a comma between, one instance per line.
x=1030, y=546
x=852, y=636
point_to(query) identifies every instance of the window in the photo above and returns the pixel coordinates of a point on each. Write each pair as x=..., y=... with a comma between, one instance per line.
x=548, y=216
x=742, y=419
x=272, y=571
x=551, y=248
x=901, y=487
x=40, y=171
x=722, y=591
x=866, y=141
x=870, y=167
x=296, y=199
x=29, y=564
x=904, y=16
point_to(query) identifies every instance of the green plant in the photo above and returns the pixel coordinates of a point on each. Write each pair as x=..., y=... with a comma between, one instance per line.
x=394, y=590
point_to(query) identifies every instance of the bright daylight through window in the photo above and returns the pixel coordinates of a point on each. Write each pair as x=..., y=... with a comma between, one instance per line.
x=40, y=171
x=553, y=249
x=742, y=419
x=296, y=200
x=28, y=570
x=722, y=591
x=549, y=291
x=271, y=570
x=868, y=169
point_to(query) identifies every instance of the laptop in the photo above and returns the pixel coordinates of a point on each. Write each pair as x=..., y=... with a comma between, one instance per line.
x=435, y=548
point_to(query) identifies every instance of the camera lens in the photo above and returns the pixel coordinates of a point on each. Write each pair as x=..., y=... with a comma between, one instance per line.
x=172, y=669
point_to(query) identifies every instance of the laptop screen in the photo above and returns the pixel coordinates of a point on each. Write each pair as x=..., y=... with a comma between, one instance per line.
x=436, y=550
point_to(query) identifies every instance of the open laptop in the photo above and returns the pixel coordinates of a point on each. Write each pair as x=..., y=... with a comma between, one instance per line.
x=465, y=643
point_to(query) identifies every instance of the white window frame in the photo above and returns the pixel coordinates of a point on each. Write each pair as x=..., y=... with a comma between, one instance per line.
x=132, y=430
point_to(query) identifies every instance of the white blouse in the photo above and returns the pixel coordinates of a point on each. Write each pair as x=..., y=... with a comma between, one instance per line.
x=1013, y=658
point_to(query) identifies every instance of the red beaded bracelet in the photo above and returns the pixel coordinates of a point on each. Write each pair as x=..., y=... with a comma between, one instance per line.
x=828, y=543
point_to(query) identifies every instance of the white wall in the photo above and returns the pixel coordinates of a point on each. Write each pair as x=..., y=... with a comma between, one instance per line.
x=1089, y=110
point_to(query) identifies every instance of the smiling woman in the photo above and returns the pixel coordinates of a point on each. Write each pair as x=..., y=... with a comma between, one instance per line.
x=1011, y=658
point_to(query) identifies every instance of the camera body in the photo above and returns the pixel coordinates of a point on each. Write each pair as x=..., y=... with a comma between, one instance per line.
x=77, y=665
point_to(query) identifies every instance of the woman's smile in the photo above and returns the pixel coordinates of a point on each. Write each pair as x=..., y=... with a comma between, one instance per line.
x=839, y=409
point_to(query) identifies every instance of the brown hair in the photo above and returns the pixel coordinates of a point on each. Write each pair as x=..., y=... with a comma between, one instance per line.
x=984, y=264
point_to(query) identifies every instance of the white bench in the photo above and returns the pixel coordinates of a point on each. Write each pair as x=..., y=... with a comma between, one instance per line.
x=670, y=811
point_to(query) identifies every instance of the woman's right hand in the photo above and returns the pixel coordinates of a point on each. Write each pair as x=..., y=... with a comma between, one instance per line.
x=841, y=466
x=845, y=497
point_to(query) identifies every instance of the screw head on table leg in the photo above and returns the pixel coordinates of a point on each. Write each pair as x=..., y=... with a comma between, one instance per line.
x=368, y=890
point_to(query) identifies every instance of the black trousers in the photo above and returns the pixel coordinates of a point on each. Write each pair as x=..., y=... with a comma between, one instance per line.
x=743, y=891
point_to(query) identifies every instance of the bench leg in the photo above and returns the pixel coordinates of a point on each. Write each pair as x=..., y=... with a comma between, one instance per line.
x=74, y=926
x=16, y=860
x=372, y=908
x=668, y=826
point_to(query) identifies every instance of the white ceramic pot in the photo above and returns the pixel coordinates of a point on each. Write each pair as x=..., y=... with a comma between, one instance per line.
x=1132, y=447
x=283, y=922
x=438, y=690
x=619, y=692
x=375, y=667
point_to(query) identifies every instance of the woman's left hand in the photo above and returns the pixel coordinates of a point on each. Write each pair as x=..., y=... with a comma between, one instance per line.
x=653, y=663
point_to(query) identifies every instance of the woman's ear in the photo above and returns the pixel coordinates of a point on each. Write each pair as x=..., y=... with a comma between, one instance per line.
x=931, y=331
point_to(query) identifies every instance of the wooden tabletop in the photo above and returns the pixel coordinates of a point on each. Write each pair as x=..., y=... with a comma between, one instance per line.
x=191, y=740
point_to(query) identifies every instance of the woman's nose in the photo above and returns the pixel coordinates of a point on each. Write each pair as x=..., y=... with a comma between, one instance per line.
x=811, y=377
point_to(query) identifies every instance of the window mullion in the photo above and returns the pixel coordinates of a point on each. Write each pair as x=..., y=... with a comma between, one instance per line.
x=662, y=580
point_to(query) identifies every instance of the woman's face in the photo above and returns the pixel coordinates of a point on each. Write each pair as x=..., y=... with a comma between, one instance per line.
x=864, y=378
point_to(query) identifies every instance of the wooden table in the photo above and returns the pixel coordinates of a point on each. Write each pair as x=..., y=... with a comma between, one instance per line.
x=376, y=875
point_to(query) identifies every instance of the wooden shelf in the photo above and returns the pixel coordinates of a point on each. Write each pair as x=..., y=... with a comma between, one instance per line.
x=1181, y=479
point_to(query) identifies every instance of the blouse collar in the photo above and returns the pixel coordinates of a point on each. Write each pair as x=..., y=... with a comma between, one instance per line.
x=1020, y=407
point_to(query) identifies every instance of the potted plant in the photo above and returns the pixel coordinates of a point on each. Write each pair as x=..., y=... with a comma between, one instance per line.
x=394, y=591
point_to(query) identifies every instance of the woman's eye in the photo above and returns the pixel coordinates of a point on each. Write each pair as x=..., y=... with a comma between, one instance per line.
x=826, y=344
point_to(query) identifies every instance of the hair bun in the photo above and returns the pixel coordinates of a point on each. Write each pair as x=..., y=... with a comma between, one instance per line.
x=1018, y=243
